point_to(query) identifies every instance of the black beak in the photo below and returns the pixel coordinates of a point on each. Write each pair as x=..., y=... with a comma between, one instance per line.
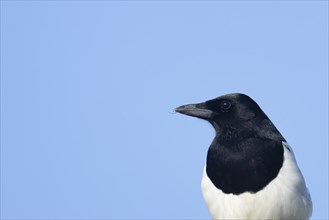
x=196, y=110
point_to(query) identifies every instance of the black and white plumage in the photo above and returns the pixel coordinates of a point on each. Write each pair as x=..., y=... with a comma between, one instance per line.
x=250, y=172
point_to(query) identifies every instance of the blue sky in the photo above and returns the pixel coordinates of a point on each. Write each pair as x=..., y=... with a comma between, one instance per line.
x=88, y=91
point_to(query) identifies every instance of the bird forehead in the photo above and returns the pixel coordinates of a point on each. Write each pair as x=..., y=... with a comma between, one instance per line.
x=234, y=96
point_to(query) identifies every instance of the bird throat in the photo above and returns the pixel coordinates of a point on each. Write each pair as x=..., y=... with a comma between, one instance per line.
x=243, y=165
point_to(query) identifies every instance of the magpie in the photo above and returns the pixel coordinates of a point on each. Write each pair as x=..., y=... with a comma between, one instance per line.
x=251, y=171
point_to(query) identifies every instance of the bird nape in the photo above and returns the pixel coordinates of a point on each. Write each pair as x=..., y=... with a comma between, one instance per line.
x=250, y=171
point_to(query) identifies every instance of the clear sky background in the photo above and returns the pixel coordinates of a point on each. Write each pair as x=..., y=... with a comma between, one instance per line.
x=88, y=91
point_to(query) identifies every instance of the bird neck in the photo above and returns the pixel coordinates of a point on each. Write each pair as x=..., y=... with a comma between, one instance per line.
x=228, y=133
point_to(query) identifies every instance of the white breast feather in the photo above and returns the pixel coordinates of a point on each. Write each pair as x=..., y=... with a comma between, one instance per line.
x=285, y=197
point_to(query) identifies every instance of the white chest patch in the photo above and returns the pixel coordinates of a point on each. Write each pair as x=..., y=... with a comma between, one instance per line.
x=285, y=197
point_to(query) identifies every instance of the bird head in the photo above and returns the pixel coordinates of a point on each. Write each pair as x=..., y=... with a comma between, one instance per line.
x=224, y=111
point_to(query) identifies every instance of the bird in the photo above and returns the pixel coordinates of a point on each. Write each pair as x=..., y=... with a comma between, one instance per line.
x=250, y=171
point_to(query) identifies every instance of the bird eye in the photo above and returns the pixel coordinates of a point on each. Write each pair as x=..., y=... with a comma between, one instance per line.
x=225, y=105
